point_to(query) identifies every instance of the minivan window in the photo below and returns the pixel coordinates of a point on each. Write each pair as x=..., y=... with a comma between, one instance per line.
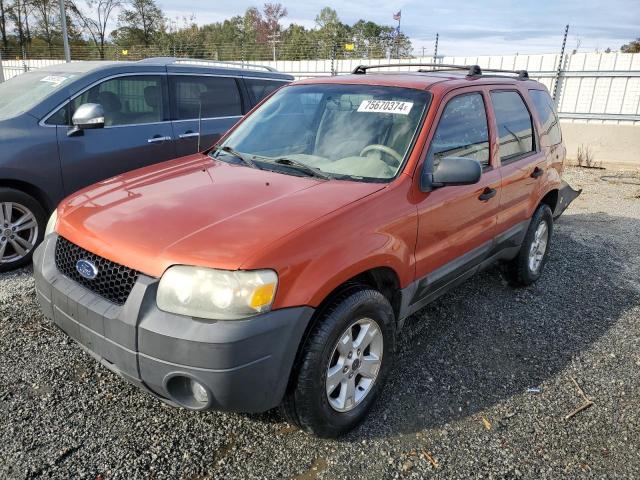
x=515, y=128
x=209, y=97
x=127, y=100
x=360, y=132
x=261, y=88
x=462, y=131
x=547, y=114
x=20, y=93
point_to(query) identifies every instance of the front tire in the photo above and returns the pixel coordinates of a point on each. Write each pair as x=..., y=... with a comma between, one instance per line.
x=22, y=225
x=527, y=267
x=343, y=365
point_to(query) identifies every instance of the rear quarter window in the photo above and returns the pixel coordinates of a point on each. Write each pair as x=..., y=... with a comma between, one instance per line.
x=547, y=114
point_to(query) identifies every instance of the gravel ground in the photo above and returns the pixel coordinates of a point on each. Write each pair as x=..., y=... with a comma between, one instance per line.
x=457, y=403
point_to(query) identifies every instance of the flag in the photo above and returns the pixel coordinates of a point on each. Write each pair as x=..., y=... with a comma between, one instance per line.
x=397, y=16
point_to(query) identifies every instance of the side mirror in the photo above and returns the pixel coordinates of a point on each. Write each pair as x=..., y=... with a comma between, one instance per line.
x=452, y=171
x=87, y=116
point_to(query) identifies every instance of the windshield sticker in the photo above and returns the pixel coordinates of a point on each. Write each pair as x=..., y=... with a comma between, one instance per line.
x=55, y=79
x=385, y=106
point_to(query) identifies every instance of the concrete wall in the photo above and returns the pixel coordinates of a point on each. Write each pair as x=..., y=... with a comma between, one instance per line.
x=611, y=145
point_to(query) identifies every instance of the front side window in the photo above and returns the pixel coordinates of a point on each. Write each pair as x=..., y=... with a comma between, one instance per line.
x=462, y=131
x=515, y=128
x=548, y=116
x=205, y=97
x=125, y=100
x=360, y=132
x=261, y=88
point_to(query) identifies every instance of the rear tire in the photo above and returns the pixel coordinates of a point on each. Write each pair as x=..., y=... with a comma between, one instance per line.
x=22, y=225
x=347, y=355
x=527, y=267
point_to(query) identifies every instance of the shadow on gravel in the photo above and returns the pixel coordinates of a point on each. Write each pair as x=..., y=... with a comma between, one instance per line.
x=486, y=341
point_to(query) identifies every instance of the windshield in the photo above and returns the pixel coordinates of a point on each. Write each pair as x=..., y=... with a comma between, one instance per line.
x=361, y=132
x=20, y=93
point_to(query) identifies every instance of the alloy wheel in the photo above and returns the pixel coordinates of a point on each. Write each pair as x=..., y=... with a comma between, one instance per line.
x=538, y=247
x=354, y=364
x=18, y=231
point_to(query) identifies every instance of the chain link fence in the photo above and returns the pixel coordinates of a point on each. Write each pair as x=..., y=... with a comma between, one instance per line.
x=374, y=47
x=592, y=87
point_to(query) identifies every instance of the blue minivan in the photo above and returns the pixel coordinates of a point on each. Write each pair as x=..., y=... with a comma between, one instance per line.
x=70, y=125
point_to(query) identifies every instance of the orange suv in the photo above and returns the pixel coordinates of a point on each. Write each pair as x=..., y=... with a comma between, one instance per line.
x=277, y=267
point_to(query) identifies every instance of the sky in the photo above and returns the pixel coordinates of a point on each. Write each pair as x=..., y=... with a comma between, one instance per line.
x=465, y=28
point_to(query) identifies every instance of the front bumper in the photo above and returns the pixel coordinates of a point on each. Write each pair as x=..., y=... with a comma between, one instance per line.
x=244, y=365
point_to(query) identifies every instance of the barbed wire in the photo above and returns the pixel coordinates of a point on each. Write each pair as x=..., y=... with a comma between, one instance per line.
x=303, y=50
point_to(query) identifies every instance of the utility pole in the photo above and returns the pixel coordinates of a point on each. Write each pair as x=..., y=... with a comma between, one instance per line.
x=560, y=62
x=274, y=37
x=1, y=69
x=65, y=36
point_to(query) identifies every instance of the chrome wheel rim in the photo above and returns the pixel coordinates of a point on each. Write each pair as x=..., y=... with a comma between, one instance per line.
x=538, y=247
x=18, y=232
x=354, y=365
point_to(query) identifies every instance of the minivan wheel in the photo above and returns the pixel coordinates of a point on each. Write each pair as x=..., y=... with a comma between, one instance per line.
x=527, y=267
x=22, y=224
x=343, y=365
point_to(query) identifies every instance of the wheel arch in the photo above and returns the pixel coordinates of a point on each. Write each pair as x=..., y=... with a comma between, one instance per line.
x=42, y=198
x=550, y=199
x=383, y=279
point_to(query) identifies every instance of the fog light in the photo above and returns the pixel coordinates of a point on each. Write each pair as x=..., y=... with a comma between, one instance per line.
x=199, y=392
x=188, y=392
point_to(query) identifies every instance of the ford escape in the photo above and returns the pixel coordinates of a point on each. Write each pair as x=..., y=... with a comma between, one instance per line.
x=276, y=268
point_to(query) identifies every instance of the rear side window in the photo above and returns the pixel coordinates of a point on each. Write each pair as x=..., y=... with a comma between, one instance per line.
x=216, y=96
x=548, y=116
x=515, y=128
x=261, y=88
x=462, y=130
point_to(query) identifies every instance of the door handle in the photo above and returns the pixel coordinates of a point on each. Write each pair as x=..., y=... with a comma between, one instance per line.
x=158, y=138
x=487, y=194
x=188, y=134
x=537, y=172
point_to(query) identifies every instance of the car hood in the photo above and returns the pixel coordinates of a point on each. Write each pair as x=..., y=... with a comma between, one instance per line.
x=197, y=211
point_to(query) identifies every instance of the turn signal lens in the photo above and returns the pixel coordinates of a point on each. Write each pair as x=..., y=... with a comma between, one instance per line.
x=262, y=296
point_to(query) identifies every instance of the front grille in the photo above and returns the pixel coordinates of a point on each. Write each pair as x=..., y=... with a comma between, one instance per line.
x=113, y=281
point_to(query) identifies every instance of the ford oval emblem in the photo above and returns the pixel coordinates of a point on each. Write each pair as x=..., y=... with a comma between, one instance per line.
x=87, y=269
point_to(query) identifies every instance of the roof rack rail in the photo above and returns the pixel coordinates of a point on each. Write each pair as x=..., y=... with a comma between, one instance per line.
x=223, y=62
x=196, y=61
x=473, y=70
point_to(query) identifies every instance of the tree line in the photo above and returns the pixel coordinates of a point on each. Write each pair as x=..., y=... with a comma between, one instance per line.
x=33, y=28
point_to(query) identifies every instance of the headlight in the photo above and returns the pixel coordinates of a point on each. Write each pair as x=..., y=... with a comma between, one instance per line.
x=51, y=224
x=216, y=294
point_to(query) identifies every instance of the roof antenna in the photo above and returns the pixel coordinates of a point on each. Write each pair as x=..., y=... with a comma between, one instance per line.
x=199, y=123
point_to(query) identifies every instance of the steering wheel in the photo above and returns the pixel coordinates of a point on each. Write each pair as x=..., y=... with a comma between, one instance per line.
x=384, y=149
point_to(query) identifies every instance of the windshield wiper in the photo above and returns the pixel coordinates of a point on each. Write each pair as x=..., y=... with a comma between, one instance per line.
x=311, y=171
x=240, y=156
